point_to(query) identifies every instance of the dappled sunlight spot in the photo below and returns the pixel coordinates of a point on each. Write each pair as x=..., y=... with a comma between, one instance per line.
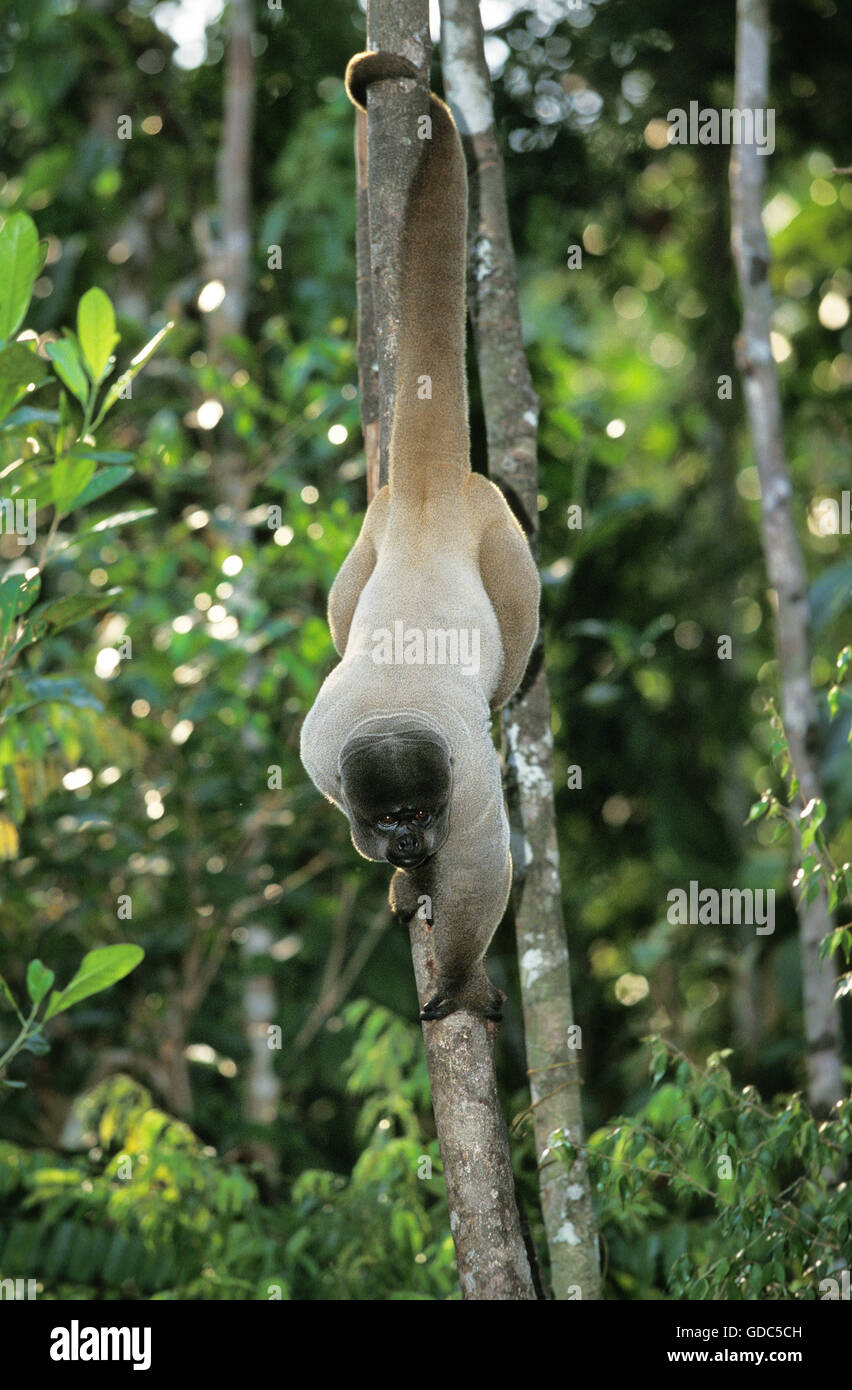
x=316, y=531
x=667, y=350
x=232, y=564
x=748, y=484
x=688, y=635
x=594, y=240
x=615, y=429
x=197, y=518
x=630, y=989
x=823, y=378
x=616, y=810
x=823, y=193
x=283, y=535
x=182, y=623
x=185, y=22
x=338, y=434
x=833, y=311
x=629, y=303
x=224, y=630
x=107, y=663
x=780, y=345
x=78, y=777
x=779, y=213
x=656, y=133
x=209, y=413
x=181, y=731
x=309, y=494
x=211, y=296
x=140, y=709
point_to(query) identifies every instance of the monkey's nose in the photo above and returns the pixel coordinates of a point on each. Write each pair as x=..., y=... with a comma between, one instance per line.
x=407, y=843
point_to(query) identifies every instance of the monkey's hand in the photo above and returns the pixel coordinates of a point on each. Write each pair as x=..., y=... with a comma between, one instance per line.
x=406, y=899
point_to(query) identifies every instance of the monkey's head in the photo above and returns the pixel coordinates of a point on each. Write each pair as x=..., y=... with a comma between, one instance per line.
x=396, y=791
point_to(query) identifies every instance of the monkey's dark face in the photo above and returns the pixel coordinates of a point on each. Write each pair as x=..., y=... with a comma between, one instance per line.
x=396, y=788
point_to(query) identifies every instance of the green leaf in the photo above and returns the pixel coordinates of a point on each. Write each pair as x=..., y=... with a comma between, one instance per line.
x=20, y=367
x=59, y=613
x=136, y=365
x=100, y=969
x=20, y=262
x=39, y=980
x=96, y=331
x=36, y=1042
x=6, y=995
x=65, y=358
x=103, y=482
x=70, y=476
x=122, y=518
x=62, y=690
x=28, y=415
x=17, y=595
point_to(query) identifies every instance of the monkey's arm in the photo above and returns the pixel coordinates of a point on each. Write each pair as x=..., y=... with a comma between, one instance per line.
x=354, y=573
x=508, y=572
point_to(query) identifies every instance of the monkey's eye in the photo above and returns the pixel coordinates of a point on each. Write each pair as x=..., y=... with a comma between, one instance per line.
x=386, y=822
x=421, y=817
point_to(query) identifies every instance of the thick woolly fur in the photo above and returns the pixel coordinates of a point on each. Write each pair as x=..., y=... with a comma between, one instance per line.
x=439, y=550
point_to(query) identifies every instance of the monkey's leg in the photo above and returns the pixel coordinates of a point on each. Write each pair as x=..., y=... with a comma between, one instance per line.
x=510, y=578
x=354, y=573
x=470, y=892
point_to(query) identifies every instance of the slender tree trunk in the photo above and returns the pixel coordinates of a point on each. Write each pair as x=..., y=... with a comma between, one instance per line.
x=490, y=1253
x=229, y=260
x=511, y=414
x=784, y=562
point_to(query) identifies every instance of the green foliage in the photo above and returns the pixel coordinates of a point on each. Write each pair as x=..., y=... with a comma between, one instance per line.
x=53, y=471
x=708, y=1193
x=385, y=1227
x=818, y=869
x=150, y=1213
x=98, y=971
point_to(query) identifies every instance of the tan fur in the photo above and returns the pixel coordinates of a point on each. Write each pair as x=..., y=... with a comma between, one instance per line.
x=438, y=549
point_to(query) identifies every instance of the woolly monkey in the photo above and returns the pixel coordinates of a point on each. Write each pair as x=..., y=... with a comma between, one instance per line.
x=399, y=736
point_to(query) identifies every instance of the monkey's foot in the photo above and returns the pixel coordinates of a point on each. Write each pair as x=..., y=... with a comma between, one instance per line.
x=441, y=1005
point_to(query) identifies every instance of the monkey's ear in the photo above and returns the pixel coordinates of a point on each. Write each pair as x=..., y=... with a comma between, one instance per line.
x=366, y=68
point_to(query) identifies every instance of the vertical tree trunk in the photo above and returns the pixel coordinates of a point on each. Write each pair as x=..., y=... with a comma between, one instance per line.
x=490, y=1253
x=511, y=414
x=784, y=562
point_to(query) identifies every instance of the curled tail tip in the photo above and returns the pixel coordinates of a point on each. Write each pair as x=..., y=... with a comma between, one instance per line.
x=366, y=68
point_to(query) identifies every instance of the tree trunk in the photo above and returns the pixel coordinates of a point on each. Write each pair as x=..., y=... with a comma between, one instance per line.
x=784, y=562
x=511, y=414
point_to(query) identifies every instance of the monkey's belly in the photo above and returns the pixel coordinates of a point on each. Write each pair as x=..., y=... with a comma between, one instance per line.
x=439, y=624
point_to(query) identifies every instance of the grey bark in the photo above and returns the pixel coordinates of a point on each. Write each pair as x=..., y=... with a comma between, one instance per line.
x=783, y=555
x=511, y=413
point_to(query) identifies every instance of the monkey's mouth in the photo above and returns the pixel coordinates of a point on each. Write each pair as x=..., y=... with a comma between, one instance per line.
x=407, y=861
